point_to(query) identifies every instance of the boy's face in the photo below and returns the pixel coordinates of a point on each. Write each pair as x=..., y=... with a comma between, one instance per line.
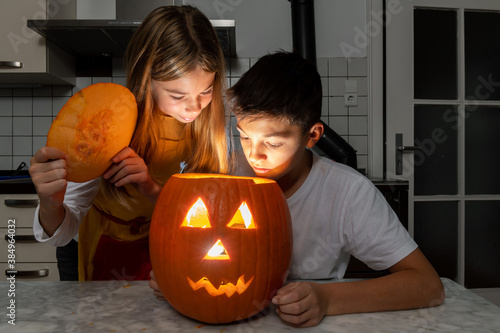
x=272, y=147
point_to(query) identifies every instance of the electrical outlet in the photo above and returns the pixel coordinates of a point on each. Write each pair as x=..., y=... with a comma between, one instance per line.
x=351, y=99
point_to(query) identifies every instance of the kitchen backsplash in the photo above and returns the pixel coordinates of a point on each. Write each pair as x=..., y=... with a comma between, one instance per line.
x=26, y=113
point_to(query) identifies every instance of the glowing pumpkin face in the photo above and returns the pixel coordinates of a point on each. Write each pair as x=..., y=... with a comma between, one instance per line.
x=220, y=246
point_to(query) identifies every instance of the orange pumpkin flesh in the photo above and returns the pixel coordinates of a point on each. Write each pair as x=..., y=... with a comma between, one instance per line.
x=95, y=124
x=220, y=246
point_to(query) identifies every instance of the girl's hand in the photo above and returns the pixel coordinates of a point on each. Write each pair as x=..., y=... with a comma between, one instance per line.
x=153, y=285
x=301, y=304
x=48, y=173
x=130, y=168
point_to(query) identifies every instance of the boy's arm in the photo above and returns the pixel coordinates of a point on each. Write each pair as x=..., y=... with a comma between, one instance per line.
x=413, y=283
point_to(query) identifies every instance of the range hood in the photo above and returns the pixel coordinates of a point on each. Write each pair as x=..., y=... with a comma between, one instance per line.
x=109, y=38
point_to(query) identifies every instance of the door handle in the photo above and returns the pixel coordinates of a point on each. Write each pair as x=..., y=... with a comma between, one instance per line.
x=37, y=273
x=21, y=238
x=21, y=203
x=10, y=64
x=400, y=149
x=408, y=148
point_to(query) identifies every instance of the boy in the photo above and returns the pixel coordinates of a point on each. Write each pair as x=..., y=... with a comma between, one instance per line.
x=335, y=211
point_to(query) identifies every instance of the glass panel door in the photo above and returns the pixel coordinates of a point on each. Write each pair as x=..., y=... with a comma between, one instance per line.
x=435, y=40
x=482, y=156
x=482, y=52
x=436, y=164
x=443, y=96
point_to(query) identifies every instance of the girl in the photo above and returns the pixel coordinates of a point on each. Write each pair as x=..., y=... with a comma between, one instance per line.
x=175, y=69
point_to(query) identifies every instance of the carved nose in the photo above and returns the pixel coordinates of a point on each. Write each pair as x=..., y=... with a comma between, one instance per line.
x=217, y=252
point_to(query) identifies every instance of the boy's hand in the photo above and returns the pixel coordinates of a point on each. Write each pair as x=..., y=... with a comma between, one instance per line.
x=301, y=304
x=153, y=285
x=130, y=168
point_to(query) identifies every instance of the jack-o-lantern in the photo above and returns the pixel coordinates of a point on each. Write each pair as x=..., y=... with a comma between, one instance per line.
x=220, y=246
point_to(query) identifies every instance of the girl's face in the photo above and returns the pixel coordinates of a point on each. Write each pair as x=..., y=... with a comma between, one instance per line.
x=184, y=98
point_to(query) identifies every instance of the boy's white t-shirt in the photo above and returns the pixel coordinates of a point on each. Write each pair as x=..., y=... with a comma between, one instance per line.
x=338, y=212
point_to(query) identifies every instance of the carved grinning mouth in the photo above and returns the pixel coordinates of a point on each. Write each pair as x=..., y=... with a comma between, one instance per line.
x=224, y=288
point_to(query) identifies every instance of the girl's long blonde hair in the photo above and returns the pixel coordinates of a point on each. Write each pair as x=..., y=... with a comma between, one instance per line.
x=171, y=42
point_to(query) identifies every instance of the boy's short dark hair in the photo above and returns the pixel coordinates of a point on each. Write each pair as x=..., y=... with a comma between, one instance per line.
x=282, y=85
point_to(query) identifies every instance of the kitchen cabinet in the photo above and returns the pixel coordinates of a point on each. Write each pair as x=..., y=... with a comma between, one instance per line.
x=33, y=260
x=26, y=58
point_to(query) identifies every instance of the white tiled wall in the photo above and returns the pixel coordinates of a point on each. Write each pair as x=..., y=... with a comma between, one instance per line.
x=26, y=113
x=349, y=122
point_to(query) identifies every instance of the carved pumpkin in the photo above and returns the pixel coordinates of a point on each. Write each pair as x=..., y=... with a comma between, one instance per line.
x=95, y=124
x=220, y=246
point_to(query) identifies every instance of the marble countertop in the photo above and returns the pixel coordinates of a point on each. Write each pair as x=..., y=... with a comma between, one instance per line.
x=123, y=306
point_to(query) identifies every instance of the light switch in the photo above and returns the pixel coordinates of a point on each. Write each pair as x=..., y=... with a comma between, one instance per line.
x=351, y=86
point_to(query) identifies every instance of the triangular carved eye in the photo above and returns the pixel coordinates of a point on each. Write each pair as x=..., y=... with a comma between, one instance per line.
x=242, y=219
x=197, y=216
